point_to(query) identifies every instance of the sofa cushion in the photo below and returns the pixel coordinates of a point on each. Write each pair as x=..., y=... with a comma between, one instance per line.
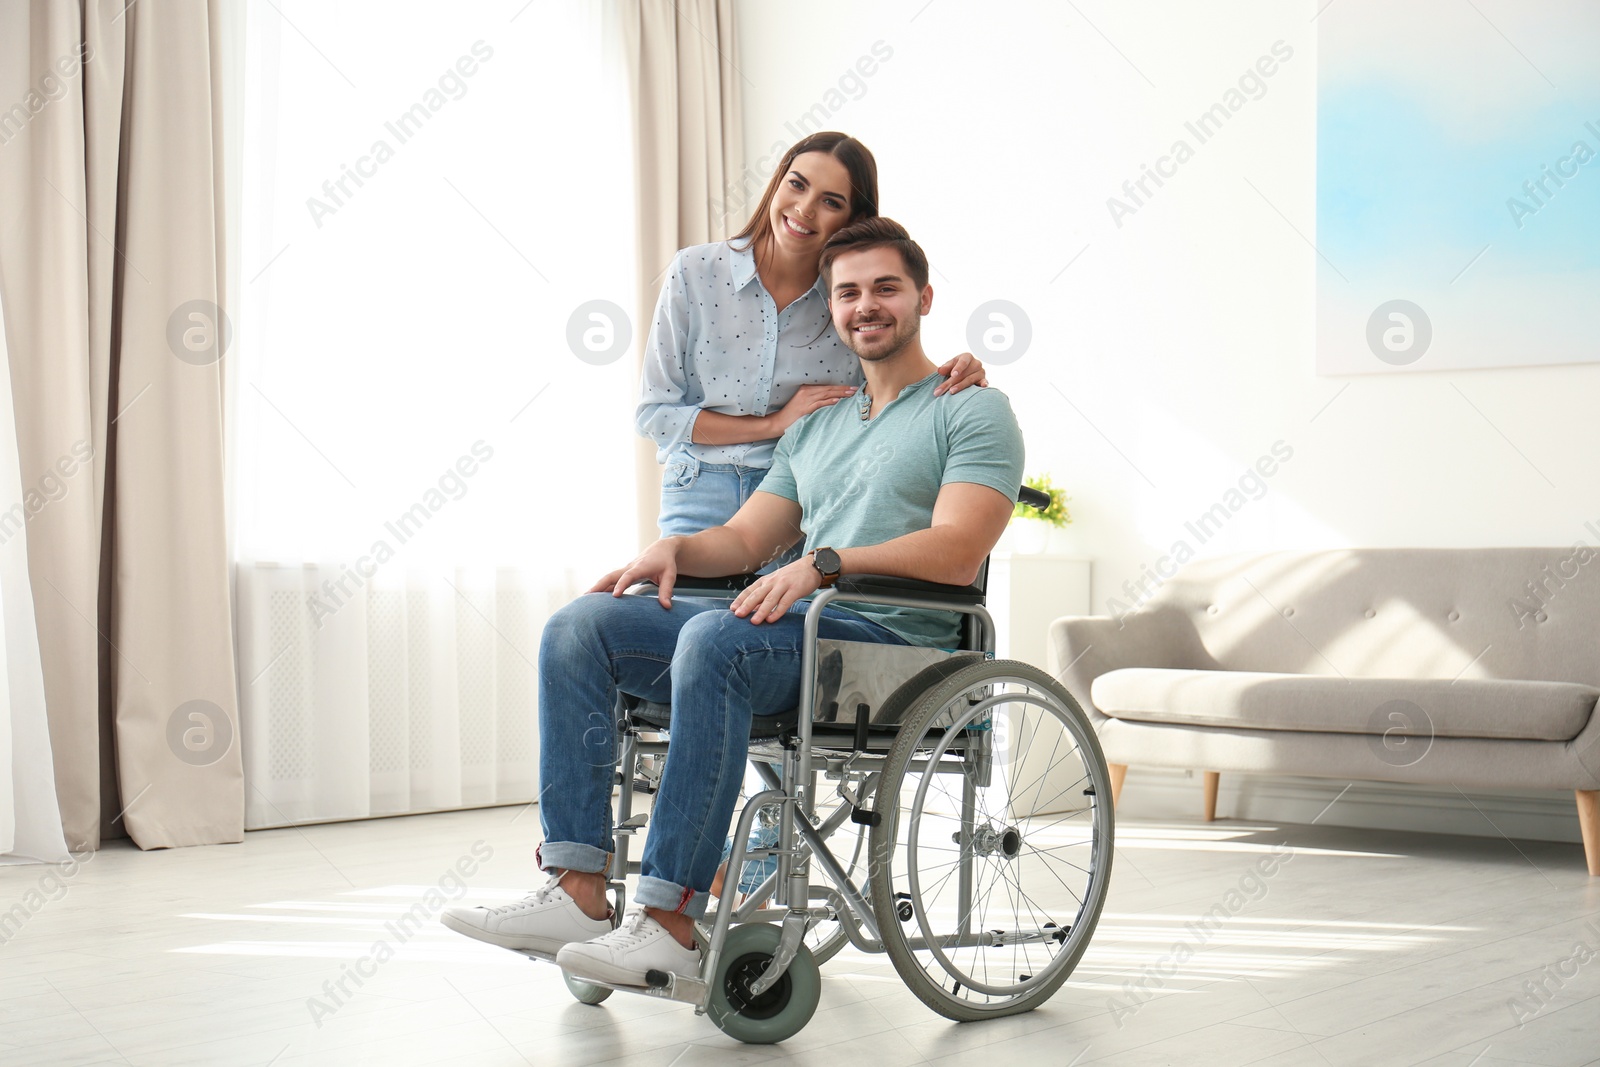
x=1467, y=707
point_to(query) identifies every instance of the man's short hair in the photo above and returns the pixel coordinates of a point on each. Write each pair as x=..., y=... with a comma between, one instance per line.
x=878, y=232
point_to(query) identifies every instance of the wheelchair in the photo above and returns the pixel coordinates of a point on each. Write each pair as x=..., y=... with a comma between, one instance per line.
x=977, y=790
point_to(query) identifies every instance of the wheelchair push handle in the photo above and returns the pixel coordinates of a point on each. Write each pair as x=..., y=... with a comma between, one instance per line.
x=1037, y=499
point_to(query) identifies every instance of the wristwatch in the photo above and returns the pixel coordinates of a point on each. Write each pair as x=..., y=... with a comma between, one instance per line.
x=828, y=564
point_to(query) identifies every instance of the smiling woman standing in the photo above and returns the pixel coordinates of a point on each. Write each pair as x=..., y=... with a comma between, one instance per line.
x=742, y=345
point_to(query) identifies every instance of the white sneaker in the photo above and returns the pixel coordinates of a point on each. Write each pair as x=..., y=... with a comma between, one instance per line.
x=623, y=956
x=543, y=921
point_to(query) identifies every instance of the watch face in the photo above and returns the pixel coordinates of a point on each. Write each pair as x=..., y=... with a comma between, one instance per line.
x=827, y=561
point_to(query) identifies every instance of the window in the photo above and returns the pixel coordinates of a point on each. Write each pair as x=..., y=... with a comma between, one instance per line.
x=434, y=198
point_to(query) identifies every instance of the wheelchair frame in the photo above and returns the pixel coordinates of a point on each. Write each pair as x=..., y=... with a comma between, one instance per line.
x=792, y=879
x=801, y=841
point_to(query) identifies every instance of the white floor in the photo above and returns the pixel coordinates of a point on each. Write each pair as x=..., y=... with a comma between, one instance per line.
x=1365, y=947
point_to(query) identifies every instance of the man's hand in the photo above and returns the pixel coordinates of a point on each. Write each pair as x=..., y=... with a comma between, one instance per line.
x=606, y=584
x=771, y=596
x=658, y=563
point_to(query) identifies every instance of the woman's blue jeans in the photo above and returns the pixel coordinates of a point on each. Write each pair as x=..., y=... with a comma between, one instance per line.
x=716, y=670
x=696, y=496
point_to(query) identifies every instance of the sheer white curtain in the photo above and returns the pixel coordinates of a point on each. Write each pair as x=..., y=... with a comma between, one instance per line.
x=432, y=414
x=30, y=821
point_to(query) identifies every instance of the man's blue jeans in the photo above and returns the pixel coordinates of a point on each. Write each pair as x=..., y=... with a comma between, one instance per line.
x=716, y=670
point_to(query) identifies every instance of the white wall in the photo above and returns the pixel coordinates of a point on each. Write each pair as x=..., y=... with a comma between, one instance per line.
x=1183, y=338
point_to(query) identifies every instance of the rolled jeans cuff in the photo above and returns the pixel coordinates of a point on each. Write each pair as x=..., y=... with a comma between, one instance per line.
x=669, y=896
x=568, y=856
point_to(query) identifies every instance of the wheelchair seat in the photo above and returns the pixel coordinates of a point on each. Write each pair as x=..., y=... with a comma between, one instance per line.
x=653, y=715
x=883, y=721
x=650, y=715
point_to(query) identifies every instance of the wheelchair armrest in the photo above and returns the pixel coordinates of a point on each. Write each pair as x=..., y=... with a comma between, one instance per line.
x=862, y=584
x=687, y=585
x=869, y=584
x=727, y=584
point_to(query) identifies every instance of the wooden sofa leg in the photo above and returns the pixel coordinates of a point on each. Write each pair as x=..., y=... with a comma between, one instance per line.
x=1589, y=823
x=1119, y=771
x=1212, y=778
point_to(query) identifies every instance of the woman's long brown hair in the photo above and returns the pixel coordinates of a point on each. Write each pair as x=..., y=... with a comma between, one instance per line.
x=858, y=163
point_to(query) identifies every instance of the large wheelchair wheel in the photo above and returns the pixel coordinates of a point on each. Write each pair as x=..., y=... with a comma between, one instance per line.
x=992, y=853
x=771, y=1016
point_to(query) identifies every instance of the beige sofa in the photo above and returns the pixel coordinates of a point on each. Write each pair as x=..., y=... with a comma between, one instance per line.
x=1478, y=668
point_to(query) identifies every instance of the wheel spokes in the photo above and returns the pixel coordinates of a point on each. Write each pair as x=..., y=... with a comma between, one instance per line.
x=1004, y=922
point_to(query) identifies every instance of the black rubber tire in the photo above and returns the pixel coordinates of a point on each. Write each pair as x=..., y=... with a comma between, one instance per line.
x=780, y=1012
x=936, y=705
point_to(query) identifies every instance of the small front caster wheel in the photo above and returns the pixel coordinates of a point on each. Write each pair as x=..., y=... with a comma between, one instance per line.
x=769, y=1017
x=586, y=992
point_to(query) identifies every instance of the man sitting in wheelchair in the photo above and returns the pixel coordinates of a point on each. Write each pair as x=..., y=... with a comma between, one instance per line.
x=887, y=483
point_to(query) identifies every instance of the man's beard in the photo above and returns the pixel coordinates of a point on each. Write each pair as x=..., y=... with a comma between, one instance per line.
x=902, y=334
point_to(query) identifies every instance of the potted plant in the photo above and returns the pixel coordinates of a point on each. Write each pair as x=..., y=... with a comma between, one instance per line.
x=1034, y=534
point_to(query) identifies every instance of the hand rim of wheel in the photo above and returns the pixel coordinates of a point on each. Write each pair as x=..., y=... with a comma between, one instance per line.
x=912, y=876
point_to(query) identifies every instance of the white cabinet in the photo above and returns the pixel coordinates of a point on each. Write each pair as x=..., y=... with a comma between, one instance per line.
x=1029, y=591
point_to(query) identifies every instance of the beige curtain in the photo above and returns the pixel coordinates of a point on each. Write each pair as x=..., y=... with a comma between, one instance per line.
x=111, y=275
x=684, y=80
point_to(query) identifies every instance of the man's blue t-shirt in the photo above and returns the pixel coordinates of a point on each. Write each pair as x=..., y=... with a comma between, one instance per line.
x=862, y=482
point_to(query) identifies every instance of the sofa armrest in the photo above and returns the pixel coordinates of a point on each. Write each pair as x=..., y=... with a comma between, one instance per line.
x=1081, y=648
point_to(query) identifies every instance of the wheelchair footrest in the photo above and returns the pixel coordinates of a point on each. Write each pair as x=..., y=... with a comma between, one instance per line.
x=634, y=824
x=689, y=990
x=666, y=986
